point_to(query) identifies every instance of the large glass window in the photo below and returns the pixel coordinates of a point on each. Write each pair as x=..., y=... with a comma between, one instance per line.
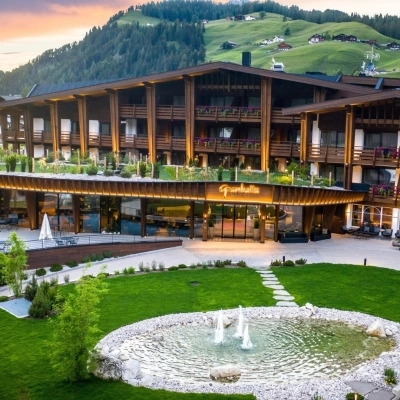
x=90, y=214
x=369, y=215
x=378, y=176
x=332, y=138
x=384, y=139
x=110, y=214
x=336, y=171
x=130, y=216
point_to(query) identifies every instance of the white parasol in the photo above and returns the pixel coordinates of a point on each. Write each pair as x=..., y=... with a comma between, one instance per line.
x=45, y=231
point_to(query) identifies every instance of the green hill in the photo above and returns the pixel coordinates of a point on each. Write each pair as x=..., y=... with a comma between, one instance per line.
x=329, y=57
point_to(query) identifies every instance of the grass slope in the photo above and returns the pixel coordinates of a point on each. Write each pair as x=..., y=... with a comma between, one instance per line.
x=26, y=364
x=327, y=57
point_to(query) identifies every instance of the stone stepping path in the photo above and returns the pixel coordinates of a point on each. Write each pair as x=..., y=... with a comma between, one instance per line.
x=282, y=297
x=369, y=391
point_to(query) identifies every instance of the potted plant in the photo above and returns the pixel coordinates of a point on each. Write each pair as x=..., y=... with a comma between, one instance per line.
x=210, y=229
x=220, y=172
x=256, y=229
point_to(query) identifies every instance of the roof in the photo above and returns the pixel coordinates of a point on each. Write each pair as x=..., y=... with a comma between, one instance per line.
x=10, y=97
x=41, y=89
x=340, y=104
x=100, y=88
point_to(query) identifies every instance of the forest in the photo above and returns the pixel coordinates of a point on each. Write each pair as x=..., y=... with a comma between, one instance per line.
x=116, y=51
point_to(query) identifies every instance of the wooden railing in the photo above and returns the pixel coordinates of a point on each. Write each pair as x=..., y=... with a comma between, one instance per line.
x=277, y=117
x=133, y=111
x=170, y=112
x=42, y=137
x=377, y=156
x=97, y=139
x=225, y=145
x=171, y=143
x=228, y=113
x=285, y=149
x=162, y=112
x=386, y=194
x=317, y=153
x=13, y=136
x=71, y=138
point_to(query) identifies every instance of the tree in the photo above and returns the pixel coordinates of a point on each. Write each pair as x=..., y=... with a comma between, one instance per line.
x=76, y=331
x=287, y=31
x=262, y=14
x=14, y=263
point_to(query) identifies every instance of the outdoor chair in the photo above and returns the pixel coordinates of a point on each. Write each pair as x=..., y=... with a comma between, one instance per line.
x=72, y=240
x=397, y=234
x=59, y=242
x=13, y=221
x=387, y=233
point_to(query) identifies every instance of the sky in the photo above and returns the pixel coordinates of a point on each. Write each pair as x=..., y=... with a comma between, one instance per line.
x=30, y=27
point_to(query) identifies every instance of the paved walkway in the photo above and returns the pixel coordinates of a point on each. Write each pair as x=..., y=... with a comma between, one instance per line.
x=339, y=249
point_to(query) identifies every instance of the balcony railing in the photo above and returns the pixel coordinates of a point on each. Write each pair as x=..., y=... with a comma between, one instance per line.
x=42, y=137
x=13, y=136
x=285, y=149
x=98, y=139
x=71, y=138
x=170, y=112
x=377, y=156
x=318, y=153
x=133, y=111
x=225, y=145
x=228, y=113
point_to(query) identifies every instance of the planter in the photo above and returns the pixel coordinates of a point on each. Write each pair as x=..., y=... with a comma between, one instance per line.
x=256, y=234
x=211, y=232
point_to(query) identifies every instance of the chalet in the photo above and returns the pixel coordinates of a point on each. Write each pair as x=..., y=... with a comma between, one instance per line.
x=345, y=38
x=316, y=39
x=284, y=46
x=250, y=18
x=393, y=46
x=277, y=39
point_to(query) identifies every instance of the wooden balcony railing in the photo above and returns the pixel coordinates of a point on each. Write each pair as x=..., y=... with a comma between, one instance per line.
x=170, y=112
x=278, y=118
x=285, y=149
x=228, y=146
x=71, y=138
x=42, y=137
x=13, y=136
x=377, y=156
x=133, y=111
x=251, y=114
x=171, y=143
x=384, y=194
x=97, y=139
x=317, y=153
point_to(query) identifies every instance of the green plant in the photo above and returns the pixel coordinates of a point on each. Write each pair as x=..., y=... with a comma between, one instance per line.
x=141, y=266
x=161, y=266
x=256, y=224
x=71, y=263
x=147, y=269
x=107, y=254
x=390, y=376
x=154, y=265
x=227, y=262
x=125, y=271
x=50, y=158
x=126, y=173
x=182, y=266
x=276, y=263
x=41, y=306
x=41, y=272
x=210, y=223
x=116, y=272
x=23, y=160
x=220, y=172
x=142, y=169
x=108, y=172
x=12, y=162
x=75, y=169
x=219, y=264
x=241, y=165
x=131, y=271
x=241, y=264
x=352, y=396
x=232, y=174
x=31, y=289
x=66, y=278
x=92, y=169
x=3, y=298
x=56, y=267
x=30, y=164
x=301, y=261
x=288, y=263
x=193, y=266
x=173, y=268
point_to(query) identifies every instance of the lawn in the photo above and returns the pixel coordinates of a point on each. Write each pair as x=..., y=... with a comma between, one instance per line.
x=25, y=367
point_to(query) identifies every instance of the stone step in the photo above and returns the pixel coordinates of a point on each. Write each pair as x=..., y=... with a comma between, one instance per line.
x=286, y=298
x=381, y=395
x=361, y=387
x=286, y=304
x=272, y=286
x=280, y=292
x=270, y=280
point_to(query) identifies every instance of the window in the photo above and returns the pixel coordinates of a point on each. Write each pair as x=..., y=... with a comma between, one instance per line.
x=378, y=176
x=332, y=138
x=178, y=131
x=47, y=126
x=105, y=128
x=384, y=139
x=74, y=127
x=221, y=132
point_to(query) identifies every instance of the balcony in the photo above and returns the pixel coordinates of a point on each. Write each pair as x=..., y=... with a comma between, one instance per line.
x=171, y=143
x=12, y=136
x=325, y=154
x=99, y=140
x=228, y=114
x=387, y=157
x=285, y=149
x=384, y=195
x=170, y=112
x=70, y=138
x=227, y=146
x=133, y=111
x=42, y=137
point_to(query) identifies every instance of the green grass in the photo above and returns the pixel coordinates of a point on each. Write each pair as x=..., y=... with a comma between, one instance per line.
x=24, y=352
x=365, y=289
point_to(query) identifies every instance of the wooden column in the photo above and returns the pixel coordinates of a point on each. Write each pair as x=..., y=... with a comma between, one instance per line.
x=276, y=230
x=55, y=125
x=114, y=114
x=15, y=125
x=76, y=211
x=83, y=123
x=319, y=94
x=143, y=210
x=349, y=146
x=191, y=231
x=308, y=217
x=28, y=122
x=32, y=209
x=266, y=101
x=263, y=212
x=151, y=120
x=205, y=221
x=328, y=215
x=189, y=115
x=304, y=136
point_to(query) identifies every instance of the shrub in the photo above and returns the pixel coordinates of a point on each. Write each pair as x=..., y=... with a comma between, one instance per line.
x=161, y=266
x=107, y=254
x=182, y=266
x=125, y=271
x=241, y=263
x=219, y=264
x=71, y=264
x=75, y=169
x=108, y=172
x=390, y=376
x=92, y=169
x=86, y=260
x=41, y=272
x=173, y=268
x=142, y=169
x=301, y=261
x=352, y=396
x=31, y=289
x=12, y=162
x=242, y=166
x=103, y=275
x=3, y=298
x=125, y=173
x=41, y=306
x=56, y=267
x=220, y=172
x=131, y=270
x=141, y=266
x=154, y=265
x=227, y=262
x=147, y=269
x=288, y=263
x=193, y=266
x=66, y=278
x=276, y=263
x=23, y=160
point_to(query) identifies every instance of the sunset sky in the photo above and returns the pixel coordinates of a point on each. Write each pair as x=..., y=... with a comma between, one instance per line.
x=30, y=27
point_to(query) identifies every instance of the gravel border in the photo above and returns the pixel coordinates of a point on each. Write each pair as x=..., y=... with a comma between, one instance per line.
x=328, y=389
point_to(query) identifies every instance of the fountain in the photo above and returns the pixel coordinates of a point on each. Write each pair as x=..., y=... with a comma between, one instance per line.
x=287, y=346
x=219, y=331
x=239, y=330
x=246, y=345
